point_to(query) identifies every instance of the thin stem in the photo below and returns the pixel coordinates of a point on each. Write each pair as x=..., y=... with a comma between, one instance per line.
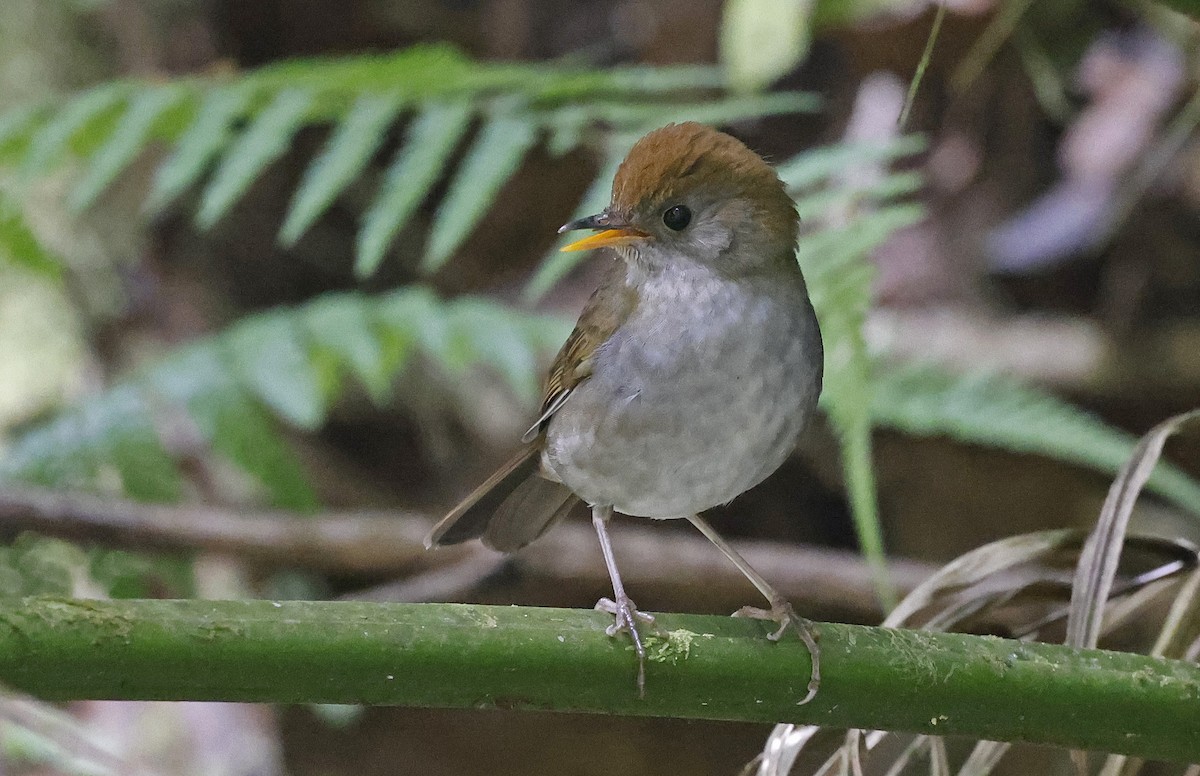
x=922, y=66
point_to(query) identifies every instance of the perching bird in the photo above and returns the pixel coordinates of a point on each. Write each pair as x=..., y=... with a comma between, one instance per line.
x=690, y=375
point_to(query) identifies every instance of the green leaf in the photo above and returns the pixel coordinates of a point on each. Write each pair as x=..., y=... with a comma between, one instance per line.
x=80, y=117
x=15, y=128
x=270, y=354
x=38, y=565
x=494, y=157
x=133, y=130
x=266, y=139
x=133, y=447
x=21, y=246
x=423, y=71
x=343, y=325
x=346, y=153
x=494, y=336
x=55, y=454
x=200, y=378
x=413, y=317
x=240, y=430
x=762, y=40
x=199, y=145
x=430, y=141
x=133, y=575
x=812, y=167
x=996, y=411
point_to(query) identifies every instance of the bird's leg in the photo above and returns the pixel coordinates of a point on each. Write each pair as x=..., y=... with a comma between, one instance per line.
x=781, y=611
x=620, y=605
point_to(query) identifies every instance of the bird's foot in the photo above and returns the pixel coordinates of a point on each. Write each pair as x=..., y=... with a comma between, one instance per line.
x=626, y=618
x=782, y=612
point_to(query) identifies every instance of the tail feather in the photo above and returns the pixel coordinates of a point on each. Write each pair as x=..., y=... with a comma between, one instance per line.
x=531, y=510
x=510, y=509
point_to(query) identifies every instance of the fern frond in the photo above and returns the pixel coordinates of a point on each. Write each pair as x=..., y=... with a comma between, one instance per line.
x=266, y=139
x=199, y=145
x=344, y=335
x=492, y=159
x=80, y=124
x=813, y=167
x=346, y=154
x=270, y=356
x=1000, y=412
x=16, y=126
x=241, y=125
x=840, y=278
x=137, y=123
x=847, y=219
x=18, y=243
x=431, y=140
x=287, y=364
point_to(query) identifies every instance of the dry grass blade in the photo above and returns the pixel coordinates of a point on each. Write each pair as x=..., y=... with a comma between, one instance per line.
x=1098, y=565
x=1178, y=631
x=854, y=751
x=781, y=750
x=1182, y=625
x=1153, y=563
x=939, y=760
x=905, y=757
x=983, y=758
x=970, y=570
x=994, y=575
x=1020, y=586
x=65, y=733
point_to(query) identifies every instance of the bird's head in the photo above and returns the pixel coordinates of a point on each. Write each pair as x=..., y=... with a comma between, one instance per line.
x=689, y=193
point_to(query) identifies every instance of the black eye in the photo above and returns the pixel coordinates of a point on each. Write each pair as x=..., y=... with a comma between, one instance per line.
x=677, y=217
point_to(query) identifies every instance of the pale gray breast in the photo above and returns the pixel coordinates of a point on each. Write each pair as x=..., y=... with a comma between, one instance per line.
x=698, y=397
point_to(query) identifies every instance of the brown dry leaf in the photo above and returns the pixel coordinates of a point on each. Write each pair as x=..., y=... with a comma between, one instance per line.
x=1098, y=565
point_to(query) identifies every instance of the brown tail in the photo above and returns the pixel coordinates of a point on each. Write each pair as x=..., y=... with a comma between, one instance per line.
x=509, y=510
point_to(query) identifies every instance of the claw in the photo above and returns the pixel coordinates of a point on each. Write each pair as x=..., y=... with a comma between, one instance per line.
x=782, y=612
x=626, y=618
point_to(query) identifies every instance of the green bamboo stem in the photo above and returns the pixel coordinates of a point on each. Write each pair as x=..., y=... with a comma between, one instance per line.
x=460, y=656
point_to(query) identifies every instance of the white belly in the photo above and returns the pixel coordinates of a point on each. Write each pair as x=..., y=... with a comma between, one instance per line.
x=699, y=396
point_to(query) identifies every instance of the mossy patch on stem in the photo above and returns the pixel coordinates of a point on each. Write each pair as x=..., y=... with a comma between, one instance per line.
x=672, y=646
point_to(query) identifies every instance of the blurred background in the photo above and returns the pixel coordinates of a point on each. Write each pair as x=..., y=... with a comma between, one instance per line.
x=290, y=261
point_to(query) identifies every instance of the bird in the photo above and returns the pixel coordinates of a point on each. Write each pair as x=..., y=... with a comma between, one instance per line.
x=693, y=369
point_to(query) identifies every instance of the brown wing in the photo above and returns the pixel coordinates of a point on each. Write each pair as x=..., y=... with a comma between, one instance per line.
x=609, y=306
x=517, y=504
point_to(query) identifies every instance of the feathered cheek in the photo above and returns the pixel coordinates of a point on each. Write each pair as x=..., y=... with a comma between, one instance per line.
x=714, y=230
x=713, y=238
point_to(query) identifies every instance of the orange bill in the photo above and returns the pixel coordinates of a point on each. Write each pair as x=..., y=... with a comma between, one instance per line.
x=607, y=238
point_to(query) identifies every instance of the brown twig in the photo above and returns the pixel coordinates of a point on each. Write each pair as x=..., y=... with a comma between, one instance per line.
x=359, y=542
x=676, y=565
